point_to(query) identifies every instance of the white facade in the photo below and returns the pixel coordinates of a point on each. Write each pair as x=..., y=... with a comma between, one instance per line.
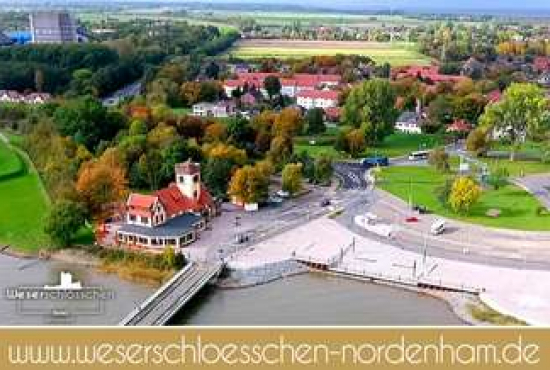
x=409, y=123
x=310, y=102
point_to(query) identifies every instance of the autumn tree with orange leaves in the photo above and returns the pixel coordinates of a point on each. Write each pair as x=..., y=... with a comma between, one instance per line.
x=102, y=182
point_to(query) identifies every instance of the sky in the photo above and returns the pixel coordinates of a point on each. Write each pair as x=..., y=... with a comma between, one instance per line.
x=434, y=4
x=367, y=4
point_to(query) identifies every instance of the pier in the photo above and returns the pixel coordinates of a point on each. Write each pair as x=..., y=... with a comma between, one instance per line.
x=166, y=302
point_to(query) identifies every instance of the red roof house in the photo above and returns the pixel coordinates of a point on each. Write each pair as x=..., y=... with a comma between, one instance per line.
x=171, y=216
x=459, y=126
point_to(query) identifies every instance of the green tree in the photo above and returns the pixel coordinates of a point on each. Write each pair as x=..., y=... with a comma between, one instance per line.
x=292, y=178
x=465, y=192
x=249, y=185
x=272, y=85
x=315, y=121
x=216, y=173
x=498, y=178
x=356, y=142
x=477, y=141
x=87, y=121
x=65, y=219
x=522, y=113
x=371, y=106
x=439, y=159
x=323, y=169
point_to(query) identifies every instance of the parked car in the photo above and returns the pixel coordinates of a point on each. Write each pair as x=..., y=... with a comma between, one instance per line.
x=438, y=227
x=420, y=209
x=375, y=162
x=325, y=203
x=283, y=194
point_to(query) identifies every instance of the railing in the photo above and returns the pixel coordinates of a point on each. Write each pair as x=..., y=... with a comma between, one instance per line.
x=420, y=282
x=168, y=300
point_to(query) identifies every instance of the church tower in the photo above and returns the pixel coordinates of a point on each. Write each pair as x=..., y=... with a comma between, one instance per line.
x=188, y=179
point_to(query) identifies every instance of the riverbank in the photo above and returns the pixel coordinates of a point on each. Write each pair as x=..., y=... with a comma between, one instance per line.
x=516, y=292
x=140, y=268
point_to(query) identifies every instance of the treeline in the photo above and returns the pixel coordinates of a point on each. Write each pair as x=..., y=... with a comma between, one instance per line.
x=100, y=69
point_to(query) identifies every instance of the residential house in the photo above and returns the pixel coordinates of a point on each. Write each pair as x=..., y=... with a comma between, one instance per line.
x=11, y=96
x=222, y=109
x=172, y=216
x=472, y=68
x=309, y=99
x=290, y=86
x=409, y=123
x=249, y=99
x=544, y=79
x=427, y=73
x=333, y=114
x=494, y=96
x=541, y=64
x=460, y=127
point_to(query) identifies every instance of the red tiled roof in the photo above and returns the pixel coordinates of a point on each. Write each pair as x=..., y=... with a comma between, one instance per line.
x=459, y=126
x=175, y=202
x=299, y=79
x=319, y=94
x=426, y=72
x=141, y=201
x=494, y=96
x=542, y=63
x=333, y=112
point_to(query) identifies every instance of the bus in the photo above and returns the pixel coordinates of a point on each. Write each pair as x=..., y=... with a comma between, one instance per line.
x=419, y=155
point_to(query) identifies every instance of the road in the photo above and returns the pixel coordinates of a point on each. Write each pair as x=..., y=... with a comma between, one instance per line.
x=127, y=91
x=352, y=175
x=538, y=185
x=468, y=243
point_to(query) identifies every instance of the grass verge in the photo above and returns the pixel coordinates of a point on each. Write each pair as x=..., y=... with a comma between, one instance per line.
x=419, y=184
x=486, y=314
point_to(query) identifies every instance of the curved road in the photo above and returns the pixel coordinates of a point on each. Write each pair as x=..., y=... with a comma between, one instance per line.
x=353, y=177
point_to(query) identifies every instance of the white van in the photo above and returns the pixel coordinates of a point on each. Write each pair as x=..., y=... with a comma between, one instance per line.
x=419, y=156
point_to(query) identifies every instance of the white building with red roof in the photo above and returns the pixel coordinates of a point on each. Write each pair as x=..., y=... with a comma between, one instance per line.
x=309, y=99
x=172, y=216
x=290, y=86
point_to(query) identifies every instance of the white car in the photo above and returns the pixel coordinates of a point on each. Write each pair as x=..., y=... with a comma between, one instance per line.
x=438, y=227
x=283, y=194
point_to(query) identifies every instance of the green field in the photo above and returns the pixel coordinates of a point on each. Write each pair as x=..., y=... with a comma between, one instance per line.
x=23, y=206
x=399, y=145
x=397, y=53
x=395, y=145
x=9, y=163
x=518, y=208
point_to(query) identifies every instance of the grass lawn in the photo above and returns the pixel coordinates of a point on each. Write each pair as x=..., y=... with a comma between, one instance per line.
x=398, y=145
x=317, y=150
x=398, y=53
x=517, y=168
x=9, y=161
x=23, y=208
x=517, y=206
x=395, y=145
x=181, y=111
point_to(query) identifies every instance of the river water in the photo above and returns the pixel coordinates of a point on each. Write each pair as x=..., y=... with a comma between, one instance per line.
x=310, y=299
x=316, y=299
x=16, y=272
